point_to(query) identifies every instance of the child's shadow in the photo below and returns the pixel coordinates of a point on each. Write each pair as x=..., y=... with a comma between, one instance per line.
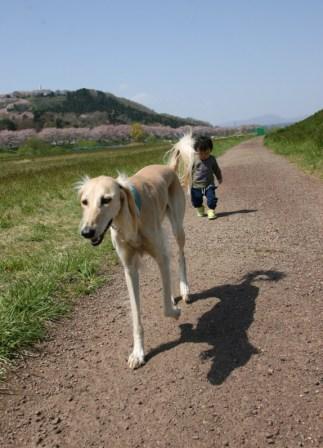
x=235, y=212
x=224, y=327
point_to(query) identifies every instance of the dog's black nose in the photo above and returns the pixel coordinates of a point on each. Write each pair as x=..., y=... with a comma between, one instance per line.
x=88, y=232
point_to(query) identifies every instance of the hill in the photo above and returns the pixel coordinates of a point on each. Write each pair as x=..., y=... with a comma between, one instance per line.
x=80, y=108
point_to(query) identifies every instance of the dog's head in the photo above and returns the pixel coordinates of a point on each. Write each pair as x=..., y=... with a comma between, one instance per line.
x=104, y=200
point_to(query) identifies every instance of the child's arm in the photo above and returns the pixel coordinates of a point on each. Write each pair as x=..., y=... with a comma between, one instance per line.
x=217, y=171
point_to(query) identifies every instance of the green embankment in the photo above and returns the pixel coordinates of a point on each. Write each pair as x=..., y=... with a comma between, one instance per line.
x=301, y=142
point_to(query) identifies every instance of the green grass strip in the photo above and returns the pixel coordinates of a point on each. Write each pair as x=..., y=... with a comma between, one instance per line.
x=306, y=154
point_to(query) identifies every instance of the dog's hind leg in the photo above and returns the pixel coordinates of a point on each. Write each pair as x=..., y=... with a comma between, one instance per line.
x=162, y=259
x=137, y=357
x=175, y=213
x=183, y=284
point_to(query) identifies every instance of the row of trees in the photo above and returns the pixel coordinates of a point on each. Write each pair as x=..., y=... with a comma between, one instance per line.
x=104, y=133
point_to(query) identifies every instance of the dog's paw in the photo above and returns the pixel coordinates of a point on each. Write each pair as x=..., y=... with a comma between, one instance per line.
x=136, y=359
x=184, y=289
x=186, y=298
x=173, y=312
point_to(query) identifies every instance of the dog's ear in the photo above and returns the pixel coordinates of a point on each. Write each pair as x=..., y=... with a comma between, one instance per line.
x=79, y=186
x=128, y=213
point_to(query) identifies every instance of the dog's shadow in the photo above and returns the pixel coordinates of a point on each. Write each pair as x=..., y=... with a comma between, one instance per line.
x=224, y=327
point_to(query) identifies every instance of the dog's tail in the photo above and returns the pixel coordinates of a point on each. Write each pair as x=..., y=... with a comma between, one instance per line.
x=181, y=157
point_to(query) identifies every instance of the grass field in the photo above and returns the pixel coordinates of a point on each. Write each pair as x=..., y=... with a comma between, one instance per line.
x=44, y=263
x=302, y=143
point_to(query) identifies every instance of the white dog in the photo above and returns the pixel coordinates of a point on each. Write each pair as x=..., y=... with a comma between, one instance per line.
x=133, y=209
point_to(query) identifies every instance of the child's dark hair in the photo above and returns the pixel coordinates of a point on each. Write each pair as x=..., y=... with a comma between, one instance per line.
x=203, y=143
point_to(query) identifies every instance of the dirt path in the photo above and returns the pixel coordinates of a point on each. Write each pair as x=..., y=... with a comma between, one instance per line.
x=242, y=367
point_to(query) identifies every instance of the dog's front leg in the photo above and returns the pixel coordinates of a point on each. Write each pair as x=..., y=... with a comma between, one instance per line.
x=137, y=357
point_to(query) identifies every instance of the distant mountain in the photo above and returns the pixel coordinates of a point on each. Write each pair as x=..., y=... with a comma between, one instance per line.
x=263, y=120
x=81, y=108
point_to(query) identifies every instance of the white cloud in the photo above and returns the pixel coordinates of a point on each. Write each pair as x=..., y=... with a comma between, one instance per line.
x=141, y=97
x=123, y=86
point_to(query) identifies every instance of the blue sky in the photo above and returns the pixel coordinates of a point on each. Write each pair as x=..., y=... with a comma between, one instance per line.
x=209, y=59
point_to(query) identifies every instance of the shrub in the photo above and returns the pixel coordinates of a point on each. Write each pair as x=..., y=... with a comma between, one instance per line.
x=7, y=123
x=137, y=132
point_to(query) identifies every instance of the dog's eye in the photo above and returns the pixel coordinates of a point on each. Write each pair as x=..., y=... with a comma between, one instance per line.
x=105, y=200
x=84, y=202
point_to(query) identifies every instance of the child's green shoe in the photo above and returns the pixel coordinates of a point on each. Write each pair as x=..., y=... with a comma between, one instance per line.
x=200, y=212
x=211, y=214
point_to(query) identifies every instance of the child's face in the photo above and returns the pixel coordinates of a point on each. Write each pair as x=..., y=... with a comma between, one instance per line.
x=204, y=154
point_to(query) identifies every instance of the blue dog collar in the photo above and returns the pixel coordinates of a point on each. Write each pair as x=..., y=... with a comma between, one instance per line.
x=136, y=196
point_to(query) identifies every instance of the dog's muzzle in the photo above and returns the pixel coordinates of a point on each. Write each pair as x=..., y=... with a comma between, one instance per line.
x=89, y=233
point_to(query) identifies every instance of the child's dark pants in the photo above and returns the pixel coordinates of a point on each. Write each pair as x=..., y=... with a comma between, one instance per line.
x=208, y=192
